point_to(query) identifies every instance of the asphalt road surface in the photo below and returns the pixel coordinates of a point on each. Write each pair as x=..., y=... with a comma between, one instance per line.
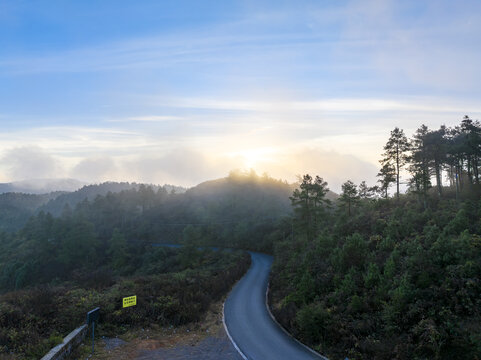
x=248, y=321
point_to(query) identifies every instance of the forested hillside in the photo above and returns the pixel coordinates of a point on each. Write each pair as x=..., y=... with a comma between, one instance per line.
x=58, y=267
x=379, y=277
x=90, y=192
x=16, y=207
x=117, y=229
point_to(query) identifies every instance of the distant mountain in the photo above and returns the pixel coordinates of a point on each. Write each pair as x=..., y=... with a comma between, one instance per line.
x=90, y=192
x=41, y=186
x=20, y=200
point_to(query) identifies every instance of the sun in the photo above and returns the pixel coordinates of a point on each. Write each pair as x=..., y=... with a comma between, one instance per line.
x=252, y=158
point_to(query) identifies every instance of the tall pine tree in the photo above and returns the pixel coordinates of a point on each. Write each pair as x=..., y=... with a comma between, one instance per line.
x=419, y=164
x=395, y=153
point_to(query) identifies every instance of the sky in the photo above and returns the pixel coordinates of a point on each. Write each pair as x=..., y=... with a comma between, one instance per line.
x=184, y=91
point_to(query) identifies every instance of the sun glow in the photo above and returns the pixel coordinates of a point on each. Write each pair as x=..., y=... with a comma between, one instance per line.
x=252, y=158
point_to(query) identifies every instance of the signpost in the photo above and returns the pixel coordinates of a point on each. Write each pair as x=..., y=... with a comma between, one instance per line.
x=129, y=301
x=92, y=317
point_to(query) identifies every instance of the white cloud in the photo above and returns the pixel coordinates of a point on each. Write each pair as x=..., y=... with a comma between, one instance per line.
x=204, y=146
x=31, y=163
x=96, y=169
x=339, y=105
x=182, y=166
x=75, y=141
x=188, y=167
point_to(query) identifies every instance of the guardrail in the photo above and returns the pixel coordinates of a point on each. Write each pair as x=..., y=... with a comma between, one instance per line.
x=71, y=341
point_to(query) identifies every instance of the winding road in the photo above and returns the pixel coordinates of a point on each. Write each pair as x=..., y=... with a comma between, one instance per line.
x=248, y=322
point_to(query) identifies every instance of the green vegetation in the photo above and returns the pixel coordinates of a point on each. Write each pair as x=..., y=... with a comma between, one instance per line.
x=361, y=275
x=173, y=287
x=118, y=229
x=391, y=278
x=56, y=268
x=17, y=208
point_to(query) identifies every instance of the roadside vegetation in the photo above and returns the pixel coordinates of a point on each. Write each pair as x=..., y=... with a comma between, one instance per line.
x=173, y=287
x=377, y=277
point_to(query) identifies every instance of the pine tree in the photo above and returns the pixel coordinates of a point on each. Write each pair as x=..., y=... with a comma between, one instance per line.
x=472, y=149
x=308, y=202
x=387, y=176
x=419, y=164
x=435, y=142
x=395, y=152
x=455, y=157
x=366, y=192
x=349, y=196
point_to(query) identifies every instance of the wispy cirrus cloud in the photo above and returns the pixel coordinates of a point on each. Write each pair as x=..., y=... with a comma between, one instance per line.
x=74, y=140
x=420, y=104
x=380, y=38
x=149, y=118
x=151, y=52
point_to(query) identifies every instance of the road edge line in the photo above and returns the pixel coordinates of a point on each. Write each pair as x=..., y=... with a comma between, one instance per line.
x=286, y=332
x=228, y=334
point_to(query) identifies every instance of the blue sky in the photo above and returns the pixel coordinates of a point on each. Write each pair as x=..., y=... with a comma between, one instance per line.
x=184, y=91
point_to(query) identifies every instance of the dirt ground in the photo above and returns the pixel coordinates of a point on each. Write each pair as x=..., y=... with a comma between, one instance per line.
x=205, y=340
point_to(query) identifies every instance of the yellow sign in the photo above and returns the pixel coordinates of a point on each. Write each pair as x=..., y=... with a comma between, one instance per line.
x=129, y=301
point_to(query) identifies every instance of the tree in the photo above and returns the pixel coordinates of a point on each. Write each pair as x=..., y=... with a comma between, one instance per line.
x=366, y=192
x=118, y=250
x=472, y=147
x=435, y=142
x=463, y=151
x=395, y=152
x=349, y=196
x=308, y=202
x=79, y=243
x=455, y=157
x=419, y=164
x=147, y=196
x=387, y=176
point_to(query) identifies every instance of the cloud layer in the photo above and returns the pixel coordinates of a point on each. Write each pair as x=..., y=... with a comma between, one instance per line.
x=31, y=162
x=285, y=88
x=185, y=167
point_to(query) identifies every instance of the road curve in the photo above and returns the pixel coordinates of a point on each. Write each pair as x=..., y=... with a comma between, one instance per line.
x=249, y=324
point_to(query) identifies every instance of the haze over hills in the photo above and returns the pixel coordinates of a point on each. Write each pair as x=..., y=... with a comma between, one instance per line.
x=90, y=192
x=217, y=186
x=41, y=186
x=242, y=210
x=242, y=203
x=20, y=200
x=17, y=207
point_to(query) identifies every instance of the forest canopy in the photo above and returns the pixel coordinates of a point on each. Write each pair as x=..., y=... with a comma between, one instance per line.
x=374, y=277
